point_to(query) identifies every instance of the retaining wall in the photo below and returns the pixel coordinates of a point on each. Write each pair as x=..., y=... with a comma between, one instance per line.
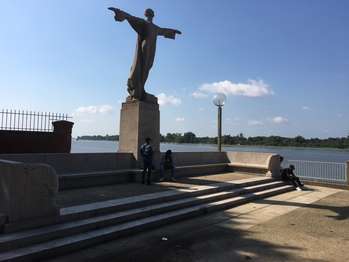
x=85, y=162
x=199, y=158
x=58, y=141
x=78, y=163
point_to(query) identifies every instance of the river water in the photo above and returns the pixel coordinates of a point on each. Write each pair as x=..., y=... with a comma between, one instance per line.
x=290, y=153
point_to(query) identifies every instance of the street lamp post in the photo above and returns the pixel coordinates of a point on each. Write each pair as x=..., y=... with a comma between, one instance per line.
x=219, y=101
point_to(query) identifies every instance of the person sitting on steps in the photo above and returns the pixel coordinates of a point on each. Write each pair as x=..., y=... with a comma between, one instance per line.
x=288, y=175
x=167, y=164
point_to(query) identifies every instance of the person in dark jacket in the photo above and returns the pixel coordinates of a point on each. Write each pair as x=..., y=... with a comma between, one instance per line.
x=288, y=175
x=167, y=164
x=147, y=155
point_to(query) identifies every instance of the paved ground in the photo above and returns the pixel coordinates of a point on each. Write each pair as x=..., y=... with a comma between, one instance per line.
x=311, y=225
x=94, y=194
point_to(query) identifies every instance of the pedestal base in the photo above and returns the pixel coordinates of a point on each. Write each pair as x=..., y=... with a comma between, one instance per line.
x=139, y=120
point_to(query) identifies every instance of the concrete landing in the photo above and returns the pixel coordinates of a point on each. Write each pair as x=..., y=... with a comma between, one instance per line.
x=311, y=225
x=101, y=193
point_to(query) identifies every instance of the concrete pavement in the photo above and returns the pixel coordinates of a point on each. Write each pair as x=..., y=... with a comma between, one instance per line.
x=311, y=225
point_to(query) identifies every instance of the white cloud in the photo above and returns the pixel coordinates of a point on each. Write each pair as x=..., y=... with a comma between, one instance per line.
x=305, y=108
x=179, y=119
x=253, y=88
x=279, y=120
x=165, y=100
x=198, y=95
x=255, y=123
x=102, y=109
x=105, y=109
x=87, y=109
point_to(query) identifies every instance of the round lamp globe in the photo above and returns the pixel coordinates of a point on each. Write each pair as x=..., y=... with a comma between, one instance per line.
x=219, y=99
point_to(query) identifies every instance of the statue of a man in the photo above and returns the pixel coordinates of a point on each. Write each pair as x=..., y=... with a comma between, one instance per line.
x=145, y=49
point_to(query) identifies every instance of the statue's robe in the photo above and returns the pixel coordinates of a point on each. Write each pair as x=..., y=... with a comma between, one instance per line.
x=145, y=51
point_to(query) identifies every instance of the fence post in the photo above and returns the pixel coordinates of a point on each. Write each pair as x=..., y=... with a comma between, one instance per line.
x=347, y=168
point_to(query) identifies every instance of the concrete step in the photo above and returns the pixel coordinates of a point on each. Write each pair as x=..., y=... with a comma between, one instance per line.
x=97, y=178
x=77, y=241
x=115, y=205
x=21, y=239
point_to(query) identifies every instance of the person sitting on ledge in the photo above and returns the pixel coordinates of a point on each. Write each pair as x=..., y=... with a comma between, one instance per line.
x=167, y=164
x=288, y=175
x=147, y=155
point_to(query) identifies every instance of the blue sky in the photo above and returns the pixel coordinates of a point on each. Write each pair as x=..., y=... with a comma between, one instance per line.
x=283, y=64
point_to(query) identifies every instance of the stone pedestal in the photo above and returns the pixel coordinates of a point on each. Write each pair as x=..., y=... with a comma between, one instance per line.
x=139, y=120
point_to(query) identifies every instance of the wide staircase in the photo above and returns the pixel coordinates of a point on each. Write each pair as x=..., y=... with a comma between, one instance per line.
x=81, y=226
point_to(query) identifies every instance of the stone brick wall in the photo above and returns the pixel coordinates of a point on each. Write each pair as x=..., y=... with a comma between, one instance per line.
x=58, y=141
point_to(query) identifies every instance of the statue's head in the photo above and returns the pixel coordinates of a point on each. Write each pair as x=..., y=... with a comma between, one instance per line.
x=149, y=13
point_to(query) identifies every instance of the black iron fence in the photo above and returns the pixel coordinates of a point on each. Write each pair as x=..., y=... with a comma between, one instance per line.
x=20, y=120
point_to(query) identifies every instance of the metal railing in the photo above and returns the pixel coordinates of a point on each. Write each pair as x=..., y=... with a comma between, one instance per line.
x=20, y=120
x=329, y=172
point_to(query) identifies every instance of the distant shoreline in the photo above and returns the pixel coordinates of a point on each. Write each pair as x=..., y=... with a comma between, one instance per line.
x=229, y=145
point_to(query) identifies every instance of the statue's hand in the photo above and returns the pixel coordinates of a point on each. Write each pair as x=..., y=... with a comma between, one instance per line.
x=169, y=33
x=119, y=14
x=113, y=9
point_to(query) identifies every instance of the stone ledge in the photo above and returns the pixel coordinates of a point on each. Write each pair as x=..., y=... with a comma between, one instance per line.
x=98, y=173
x=202, y=166
x=259, y=166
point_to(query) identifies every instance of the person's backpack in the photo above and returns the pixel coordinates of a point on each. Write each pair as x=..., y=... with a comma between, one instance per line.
x=146, y=151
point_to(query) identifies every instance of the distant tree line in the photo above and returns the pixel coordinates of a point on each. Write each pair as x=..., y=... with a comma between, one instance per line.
x=240, y=139
x=99, y=137
x=188, y=137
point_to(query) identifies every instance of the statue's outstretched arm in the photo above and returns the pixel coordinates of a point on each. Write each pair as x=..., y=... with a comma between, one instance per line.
x=136, y=23
x=168, y=32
